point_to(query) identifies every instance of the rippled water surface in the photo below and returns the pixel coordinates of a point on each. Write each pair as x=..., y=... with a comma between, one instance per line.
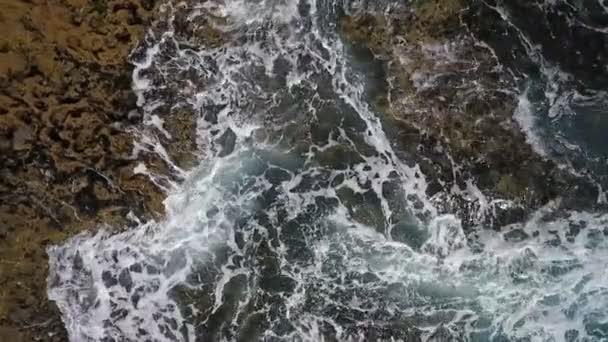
x=300, y=223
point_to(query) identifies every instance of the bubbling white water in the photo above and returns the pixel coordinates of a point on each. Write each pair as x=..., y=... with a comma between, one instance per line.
x=287, y=234
x=550, y=106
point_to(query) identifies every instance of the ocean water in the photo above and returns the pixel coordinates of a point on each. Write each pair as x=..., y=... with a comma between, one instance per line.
x=287, y=228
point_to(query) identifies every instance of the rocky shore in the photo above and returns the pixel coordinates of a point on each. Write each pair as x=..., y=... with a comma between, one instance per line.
x=67, y=121
x=455, y=105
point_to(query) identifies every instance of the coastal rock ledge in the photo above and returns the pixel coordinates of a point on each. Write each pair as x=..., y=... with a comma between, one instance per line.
x=68, y=123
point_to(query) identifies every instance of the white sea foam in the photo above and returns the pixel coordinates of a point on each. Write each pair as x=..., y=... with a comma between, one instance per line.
x=278, y=227
x=527, y=120
x=544, y=118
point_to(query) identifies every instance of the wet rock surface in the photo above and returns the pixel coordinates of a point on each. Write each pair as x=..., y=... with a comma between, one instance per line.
x=558, y=52
x=454, y=103
x=68, y=121
x=570, y=36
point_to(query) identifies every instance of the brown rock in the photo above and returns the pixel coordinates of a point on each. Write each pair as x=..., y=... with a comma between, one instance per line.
x=21, y=138
x=65, y=151
x=447, y=96
x=8, y=333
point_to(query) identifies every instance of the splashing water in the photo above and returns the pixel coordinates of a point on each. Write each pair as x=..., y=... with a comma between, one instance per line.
x=561, y=114
x=301, y=224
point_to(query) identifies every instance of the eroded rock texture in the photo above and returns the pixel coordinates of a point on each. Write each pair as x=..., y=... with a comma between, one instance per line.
x=66, y=161
x=454, y=103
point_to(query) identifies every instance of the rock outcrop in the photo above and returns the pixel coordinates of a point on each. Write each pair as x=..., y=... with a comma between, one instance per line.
x=454, y=103
x=67, y=122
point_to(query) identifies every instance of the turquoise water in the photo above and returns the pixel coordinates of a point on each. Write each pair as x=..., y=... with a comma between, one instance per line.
x=306, y=224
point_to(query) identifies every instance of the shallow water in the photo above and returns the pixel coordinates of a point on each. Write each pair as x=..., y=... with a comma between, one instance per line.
x=300, y=223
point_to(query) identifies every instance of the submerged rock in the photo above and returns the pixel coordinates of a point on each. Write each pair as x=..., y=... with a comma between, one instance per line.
x=454, y=103
x=569, y=36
